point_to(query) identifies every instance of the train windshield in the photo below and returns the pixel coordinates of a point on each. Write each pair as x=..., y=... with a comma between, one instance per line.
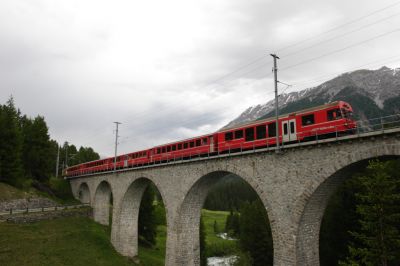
x=347, y=114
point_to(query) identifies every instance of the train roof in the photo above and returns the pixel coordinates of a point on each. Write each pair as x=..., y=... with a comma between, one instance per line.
x=255, y=122
x=183, y=140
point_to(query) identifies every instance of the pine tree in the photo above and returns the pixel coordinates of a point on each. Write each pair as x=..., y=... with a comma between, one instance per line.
x=10, y=144
x=147, y=220
x=377, y=242
x=37, y=156
x=203, y=258
x=255, y=233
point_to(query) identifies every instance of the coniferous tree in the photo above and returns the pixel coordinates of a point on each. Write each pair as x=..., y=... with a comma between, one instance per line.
x=10, y=144
x=255, y=233
x=232, y=226
x=203, y=258
x=377, y=242
x=147, y=220
x=36, y=149
x=334, y=235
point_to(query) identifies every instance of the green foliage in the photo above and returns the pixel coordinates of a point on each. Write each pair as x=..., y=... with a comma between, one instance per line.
x=70, y=241
x=244, y=259
x=61, y=188
x=155, y=255
x=159, y=213
x=10, y=144
x=377, y=241
x=36, y=149
x=202, y=234
x=28, y=155
x=82, y=155
x=334, y=235
x=232, y=226
x=392, y=105
x=216, y=246
x=147, y=225
x=229, y=194
x=255, y=233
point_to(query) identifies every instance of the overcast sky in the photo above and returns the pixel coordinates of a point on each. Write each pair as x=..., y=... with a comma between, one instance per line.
x=173, y=69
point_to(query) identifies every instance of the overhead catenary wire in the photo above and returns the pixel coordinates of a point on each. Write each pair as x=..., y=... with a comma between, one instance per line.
x=340, y=26
x=257, y=60
x=341, y=35
x=341, y=49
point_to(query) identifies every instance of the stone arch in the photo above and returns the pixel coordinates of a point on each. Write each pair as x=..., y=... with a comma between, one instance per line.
x=84, y=193
x=187, y=251
x=125, y=235
x=318, y=195
x=101, y=204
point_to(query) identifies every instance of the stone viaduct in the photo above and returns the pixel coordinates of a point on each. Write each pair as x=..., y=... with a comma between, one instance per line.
x=294, y=185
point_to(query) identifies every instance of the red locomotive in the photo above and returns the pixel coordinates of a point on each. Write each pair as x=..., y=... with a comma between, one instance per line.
x=329, y=120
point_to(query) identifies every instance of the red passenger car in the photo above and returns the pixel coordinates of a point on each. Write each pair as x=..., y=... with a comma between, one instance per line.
x=329, y=120
x=319, y=122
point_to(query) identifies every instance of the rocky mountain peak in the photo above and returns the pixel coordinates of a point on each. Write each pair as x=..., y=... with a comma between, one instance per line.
x=378, y=85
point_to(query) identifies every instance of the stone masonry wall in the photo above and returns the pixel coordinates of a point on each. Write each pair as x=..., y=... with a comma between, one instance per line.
x=294, y=186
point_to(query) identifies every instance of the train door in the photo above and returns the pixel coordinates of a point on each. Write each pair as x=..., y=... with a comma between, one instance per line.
x=289, y=130
x=211, y=144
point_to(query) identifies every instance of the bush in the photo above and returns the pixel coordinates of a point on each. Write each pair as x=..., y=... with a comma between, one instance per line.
x=60, y=188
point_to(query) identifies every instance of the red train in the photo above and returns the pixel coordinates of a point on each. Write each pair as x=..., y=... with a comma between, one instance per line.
x=329, y=120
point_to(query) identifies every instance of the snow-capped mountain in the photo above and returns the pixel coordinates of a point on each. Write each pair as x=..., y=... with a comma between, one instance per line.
x=370, y=92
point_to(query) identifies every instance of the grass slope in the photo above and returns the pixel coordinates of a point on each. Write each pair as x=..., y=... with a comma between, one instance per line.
x=216, y=246
x=81, y=241
x=69, y=241
x=8, y=192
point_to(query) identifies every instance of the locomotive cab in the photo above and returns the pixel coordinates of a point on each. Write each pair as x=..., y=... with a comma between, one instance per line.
x=347, y=114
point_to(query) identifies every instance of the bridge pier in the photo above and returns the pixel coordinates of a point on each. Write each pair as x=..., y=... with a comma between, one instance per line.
x=102, y=204
x=125, y=225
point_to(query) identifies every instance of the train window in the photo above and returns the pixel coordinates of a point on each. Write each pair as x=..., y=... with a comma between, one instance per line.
x=168, y=148
x=180, y=146
x=239, y=134
x=198, y=142
x=205, y=141
x=158, y=150
x=174, y=147
x=185, y=145
x=292, y=127
x=228, y=136
x=163, y=149
x=261, y=132
x=249, y=134
x=285, y=131
x=271, y=130
x=334, y=114
x=307, y=120
x=191, y=144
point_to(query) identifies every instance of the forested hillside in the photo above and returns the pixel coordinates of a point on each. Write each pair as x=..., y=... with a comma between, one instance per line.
x=28, y=155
